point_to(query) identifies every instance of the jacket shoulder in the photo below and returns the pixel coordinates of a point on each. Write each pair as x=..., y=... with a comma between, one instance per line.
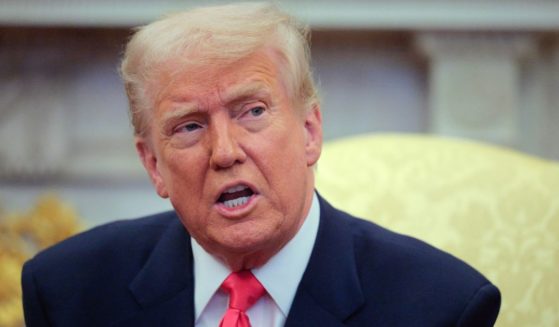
x=401, y=274
x=110, y=254
x=110, y=238
x=410, y=255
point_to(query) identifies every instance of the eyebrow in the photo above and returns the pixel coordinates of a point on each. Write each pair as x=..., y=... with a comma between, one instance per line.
x=179, y=112
x=244, y=91
x=234, y=94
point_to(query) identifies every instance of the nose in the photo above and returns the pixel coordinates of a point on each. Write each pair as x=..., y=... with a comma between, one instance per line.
x=225, y=148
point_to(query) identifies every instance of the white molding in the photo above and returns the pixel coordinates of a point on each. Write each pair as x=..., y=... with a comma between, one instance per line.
x=401, y=15
x=474, y=82
x=433, y=15
x=466, y=44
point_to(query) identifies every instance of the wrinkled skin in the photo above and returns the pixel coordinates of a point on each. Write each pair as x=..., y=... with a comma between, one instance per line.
x=235, y=126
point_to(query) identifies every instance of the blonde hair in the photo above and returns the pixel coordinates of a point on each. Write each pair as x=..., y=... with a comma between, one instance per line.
x=209, y=36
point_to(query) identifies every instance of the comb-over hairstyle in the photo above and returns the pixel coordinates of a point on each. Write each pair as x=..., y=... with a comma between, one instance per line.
x=213, y=36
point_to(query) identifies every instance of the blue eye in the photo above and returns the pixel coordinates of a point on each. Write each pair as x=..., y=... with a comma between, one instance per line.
x=257, y=111
x=190, y=127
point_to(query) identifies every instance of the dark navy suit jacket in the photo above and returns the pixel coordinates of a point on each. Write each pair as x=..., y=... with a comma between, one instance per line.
x=139, y=273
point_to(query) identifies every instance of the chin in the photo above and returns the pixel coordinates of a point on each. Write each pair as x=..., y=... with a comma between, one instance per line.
x=245, y=244
x=251, y=240
x=247, y=247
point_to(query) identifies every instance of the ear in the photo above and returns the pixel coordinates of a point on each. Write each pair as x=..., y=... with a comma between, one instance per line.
x=313, y=130
x=149, y=160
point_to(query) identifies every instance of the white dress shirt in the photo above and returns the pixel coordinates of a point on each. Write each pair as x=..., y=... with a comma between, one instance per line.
x=280, y=276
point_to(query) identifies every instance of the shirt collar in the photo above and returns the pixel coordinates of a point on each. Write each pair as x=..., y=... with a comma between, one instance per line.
x=280, y=275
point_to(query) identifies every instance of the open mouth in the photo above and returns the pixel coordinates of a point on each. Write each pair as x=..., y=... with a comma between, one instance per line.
x=235, y=196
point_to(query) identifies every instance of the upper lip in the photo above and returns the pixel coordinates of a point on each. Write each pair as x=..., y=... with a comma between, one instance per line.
x=234, y=184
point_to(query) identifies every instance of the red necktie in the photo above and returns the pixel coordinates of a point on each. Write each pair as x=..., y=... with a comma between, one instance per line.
x=244, y=290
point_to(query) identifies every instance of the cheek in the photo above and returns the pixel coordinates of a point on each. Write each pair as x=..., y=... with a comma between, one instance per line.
x=184, y=173
x=284, y=160
x=278, y=157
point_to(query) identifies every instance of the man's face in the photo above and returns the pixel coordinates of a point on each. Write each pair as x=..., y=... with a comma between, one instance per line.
x=235, y=157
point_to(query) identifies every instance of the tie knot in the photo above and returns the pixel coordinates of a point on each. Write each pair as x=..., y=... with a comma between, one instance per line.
x=243, y=288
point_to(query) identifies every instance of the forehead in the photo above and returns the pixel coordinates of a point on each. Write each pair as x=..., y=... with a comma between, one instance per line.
x=228, y=79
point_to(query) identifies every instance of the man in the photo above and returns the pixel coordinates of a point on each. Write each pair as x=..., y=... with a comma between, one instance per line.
x=228, y=127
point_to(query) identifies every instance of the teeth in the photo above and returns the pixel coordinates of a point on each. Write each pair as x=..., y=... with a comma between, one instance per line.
x=235, y=189
x=236, y=202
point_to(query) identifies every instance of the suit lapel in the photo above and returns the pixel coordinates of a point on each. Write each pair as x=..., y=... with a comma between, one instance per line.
x=330, y=290
x=328, y=294
x=164, y=287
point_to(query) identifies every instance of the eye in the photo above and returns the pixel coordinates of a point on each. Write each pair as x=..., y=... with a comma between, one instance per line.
x=189, y=127
x=255, y=116
x=256, y=111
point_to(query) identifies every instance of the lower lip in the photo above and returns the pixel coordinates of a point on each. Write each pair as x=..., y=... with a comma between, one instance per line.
x=238, y=211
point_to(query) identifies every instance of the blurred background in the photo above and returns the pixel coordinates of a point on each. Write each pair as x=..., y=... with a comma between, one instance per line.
x=485, y=70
